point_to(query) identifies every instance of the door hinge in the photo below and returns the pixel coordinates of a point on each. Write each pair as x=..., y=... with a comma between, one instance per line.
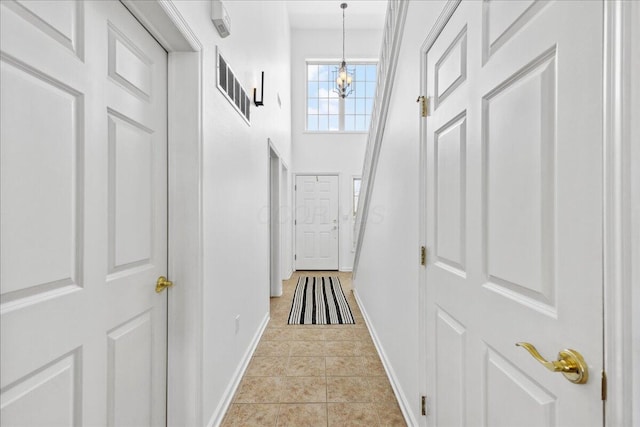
x=423, y=255
x=423, y=405
x=424, y=105
x=295, y=187
x=295, y=222
x=604, y=386
x=295, y=257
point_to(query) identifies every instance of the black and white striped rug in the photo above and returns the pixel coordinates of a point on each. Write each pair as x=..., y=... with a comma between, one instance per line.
x=320, y=301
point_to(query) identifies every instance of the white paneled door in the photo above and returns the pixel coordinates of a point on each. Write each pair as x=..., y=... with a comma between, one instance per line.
x=514, y=213
x=316, y=222
x=83, y=216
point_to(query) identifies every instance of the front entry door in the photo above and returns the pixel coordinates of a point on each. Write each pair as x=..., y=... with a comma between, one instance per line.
x=83, y=216
x=514, y=213
x=316, y=222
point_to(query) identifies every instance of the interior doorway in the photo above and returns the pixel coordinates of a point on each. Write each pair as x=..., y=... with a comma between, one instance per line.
x=285, y=223
x=275, y=277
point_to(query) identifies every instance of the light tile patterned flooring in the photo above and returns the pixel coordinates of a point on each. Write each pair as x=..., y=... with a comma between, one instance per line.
x=314, y=375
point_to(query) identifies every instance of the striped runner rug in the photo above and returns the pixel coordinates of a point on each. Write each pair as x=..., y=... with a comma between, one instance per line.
x=320, y=301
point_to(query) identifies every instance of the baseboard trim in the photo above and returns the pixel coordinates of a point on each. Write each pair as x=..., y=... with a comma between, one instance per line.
x=288, y=275
x=402, y=399
x=223, y=407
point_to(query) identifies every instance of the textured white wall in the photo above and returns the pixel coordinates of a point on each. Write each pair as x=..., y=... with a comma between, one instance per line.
x=341, y=153
x=235, y=187
x=387, y=279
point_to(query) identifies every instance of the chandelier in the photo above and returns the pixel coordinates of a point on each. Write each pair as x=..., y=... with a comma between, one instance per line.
x=343, y=76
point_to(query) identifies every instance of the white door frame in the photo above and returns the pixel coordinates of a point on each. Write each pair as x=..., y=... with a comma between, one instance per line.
x=185, y=249
x=275, y=234
x=618, y=251
x=295, y=204
x=621, y=194
x=285, y=221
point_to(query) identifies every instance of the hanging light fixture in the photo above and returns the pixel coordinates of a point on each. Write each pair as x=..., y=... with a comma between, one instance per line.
x=343, y=76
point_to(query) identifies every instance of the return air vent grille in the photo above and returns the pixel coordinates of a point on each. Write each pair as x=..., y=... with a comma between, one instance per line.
x=232, y=89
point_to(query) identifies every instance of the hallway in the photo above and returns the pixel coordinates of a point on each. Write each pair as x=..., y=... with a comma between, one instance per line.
x=469, y=170
x=308, y=375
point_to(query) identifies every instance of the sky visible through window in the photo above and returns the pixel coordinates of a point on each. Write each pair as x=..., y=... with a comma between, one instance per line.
x=326, y=111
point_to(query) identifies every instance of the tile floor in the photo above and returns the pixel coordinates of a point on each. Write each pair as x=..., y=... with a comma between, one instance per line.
x=314, y=375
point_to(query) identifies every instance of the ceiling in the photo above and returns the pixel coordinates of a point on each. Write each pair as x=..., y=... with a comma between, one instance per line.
x=326, y=14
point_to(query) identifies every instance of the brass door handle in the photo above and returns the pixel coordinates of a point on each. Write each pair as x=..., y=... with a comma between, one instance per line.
x=570, y=363
x=163, y=284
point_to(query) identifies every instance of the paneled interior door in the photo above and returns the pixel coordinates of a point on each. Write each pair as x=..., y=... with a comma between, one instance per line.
x=317, y=227
x=83, y=216
x=514, y=213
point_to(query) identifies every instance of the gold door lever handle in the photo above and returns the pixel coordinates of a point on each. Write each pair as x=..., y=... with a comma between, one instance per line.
x=163, y=284
x=570, y=363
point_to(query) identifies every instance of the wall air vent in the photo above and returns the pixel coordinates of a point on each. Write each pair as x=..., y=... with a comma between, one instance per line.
x=232, y=89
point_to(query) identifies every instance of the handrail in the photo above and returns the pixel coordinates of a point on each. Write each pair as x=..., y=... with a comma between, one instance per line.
x=391, y=41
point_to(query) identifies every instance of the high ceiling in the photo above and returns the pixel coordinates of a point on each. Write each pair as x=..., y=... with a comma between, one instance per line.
x=326, y=14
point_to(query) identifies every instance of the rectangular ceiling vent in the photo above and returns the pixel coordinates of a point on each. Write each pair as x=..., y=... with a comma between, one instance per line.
x=232, y=89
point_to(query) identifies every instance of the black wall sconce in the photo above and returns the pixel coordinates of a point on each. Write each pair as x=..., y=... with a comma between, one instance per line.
x=255, y=90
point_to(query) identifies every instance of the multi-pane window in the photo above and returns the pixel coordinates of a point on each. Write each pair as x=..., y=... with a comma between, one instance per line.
x=326, y=111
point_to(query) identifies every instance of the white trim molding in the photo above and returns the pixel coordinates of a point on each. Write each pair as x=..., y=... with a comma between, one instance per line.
x=621, y=198
x=275, y=220
x=163, y=20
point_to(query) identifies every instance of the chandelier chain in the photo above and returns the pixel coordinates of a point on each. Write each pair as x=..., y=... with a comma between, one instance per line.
x=343, y=33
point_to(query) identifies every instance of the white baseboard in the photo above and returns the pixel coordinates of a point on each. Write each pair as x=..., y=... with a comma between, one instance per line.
x=221, y=410
x=402, y=399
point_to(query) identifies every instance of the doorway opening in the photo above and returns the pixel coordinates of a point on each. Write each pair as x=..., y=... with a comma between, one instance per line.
x=275, y=277
x=285, y=223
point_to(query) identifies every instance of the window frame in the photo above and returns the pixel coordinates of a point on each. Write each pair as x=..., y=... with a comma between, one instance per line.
x=341, y=101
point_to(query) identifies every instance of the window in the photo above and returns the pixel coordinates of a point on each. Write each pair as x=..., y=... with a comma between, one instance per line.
x=326, y=111
x=356, y=194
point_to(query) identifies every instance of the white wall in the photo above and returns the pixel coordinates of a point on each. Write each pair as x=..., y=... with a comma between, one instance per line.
x=235, y=183
x=634, y=162
x=341, y=153
x=387, y=279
